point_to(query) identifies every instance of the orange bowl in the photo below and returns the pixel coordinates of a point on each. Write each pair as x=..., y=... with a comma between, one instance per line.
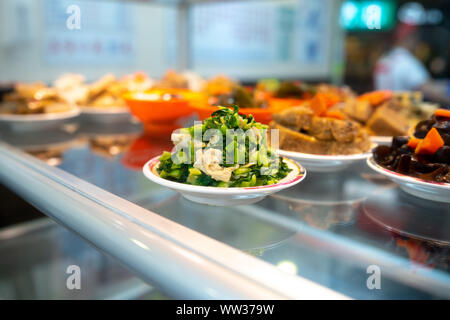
x=263, y=115
x=151, y=106
x=204, y=110
x=281, y=103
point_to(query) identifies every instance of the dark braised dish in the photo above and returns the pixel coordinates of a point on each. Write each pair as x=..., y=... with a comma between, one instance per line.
x=425, y=155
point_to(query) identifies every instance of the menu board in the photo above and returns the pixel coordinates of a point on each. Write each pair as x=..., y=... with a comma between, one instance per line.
x=234, y=33
x=313, y=32
x=103, y=37
x=286, y=38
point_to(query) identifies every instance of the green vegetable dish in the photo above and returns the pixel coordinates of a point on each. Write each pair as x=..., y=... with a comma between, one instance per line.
x=225, y=150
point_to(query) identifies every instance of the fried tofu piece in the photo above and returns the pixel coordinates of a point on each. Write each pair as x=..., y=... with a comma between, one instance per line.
x=360, y=111
x=334, y=129
x=296, y=118
x=344, y=130
x=296, y=141
x=301, y=131
x=302, y=119
x=387, y=122
x=321, y=128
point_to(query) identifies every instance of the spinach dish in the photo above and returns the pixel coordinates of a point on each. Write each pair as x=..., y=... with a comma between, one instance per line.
x=223, y=159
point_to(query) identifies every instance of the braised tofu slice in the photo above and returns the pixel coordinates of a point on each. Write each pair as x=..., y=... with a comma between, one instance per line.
x=344, y=131
x=296, y=118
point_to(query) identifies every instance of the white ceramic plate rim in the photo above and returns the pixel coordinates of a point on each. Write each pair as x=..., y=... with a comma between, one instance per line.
x=40, y=117
x=101, y=111
x=309, y=156
x=404, y=178
x=381, y=139
x=300, y=174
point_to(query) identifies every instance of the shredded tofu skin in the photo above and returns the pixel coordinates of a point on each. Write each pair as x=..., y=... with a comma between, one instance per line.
x=209, y=161
x=181, y=139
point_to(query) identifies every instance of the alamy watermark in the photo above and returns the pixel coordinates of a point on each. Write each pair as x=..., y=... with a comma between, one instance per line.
x=374, y=280
x=73, y=281
x=73, y=22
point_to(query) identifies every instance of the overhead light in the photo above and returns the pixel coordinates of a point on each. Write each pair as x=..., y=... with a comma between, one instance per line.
x=348, y=12
x=412, y=13
x=434, y=16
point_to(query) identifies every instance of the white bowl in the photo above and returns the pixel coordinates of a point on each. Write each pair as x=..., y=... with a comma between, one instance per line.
x=225, y=196
x=429, y=190
x=28, y=122
x=324, y=163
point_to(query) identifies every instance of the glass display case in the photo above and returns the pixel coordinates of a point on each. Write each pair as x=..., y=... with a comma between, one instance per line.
x=324, y=238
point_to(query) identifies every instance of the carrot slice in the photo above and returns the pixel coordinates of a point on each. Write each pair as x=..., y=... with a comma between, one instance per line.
x=442, y=113
x=307, y=95
x=318, y=105
x=335, y=114
x=431, y=143
x=330, y=98
x=376, y=97
x=413, y=142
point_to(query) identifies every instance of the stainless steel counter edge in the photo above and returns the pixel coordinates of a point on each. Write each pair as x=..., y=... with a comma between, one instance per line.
x=179, y=261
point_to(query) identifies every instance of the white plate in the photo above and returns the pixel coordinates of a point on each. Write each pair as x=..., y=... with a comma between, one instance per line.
x=324, y=163
x=27, y=122
x=103, y=111
x=381, y=140
x=105, y=115
x=225, y=196
x=429, y=190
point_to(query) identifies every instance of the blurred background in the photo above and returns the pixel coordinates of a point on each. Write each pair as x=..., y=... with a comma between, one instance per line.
x=317, y=41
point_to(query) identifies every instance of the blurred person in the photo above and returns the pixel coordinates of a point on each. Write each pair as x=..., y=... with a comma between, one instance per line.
x=400, y=70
